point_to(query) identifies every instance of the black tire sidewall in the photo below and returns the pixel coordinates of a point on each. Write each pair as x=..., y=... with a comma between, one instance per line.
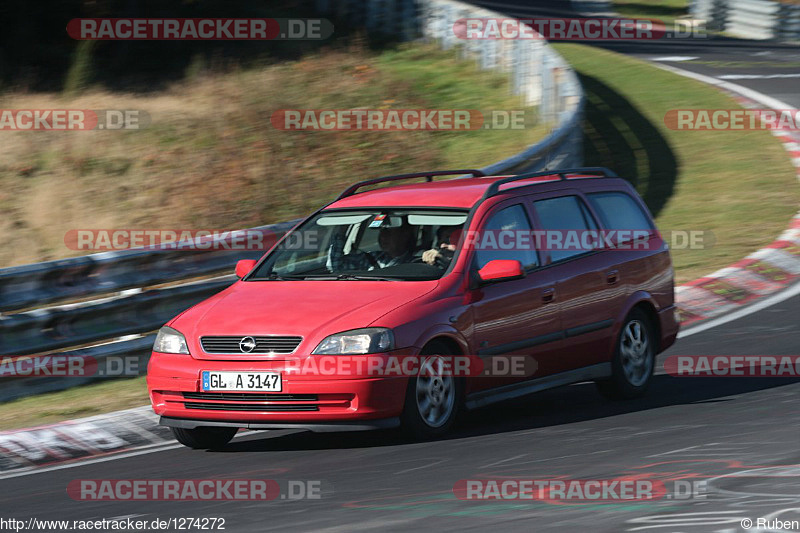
x=618, y=387
x=411, y=421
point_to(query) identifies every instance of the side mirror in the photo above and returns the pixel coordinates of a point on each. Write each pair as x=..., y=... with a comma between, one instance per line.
x=244, y=267
x=501, y=270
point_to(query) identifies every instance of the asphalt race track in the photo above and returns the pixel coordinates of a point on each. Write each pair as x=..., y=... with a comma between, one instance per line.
x=740, y=436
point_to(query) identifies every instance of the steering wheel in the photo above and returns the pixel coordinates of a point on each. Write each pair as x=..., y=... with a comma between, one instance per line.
x=370, y=258
x=439, y=262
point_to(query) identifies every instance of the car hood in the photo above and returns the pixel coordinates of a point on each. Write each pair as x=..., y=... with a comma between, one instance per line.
x=310, y=309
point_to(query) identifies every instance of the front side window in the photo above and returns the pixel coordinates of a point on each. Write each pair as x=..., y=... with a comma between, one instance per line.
x=500, y=238
x=395, y=244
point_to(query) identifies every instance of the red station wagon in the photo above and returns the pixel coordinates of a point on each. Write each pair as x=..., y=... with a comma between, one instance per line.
x=423, y=274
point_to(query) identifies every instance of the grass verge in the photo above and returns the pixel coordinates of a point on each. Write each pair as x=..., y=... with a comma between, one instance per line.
x=211, y=158
x=664, y=10
x=739, y=186
x=94, y=399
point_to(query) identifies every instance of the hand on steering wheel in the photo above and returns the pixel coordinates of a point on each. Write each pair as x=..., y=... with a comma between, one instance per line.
x=370, y=258
x=431, y=257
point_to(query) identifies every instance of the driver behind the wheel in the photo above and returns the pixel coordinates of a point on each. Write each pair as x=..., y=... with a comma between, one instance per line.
x=396, y=247
x=448, y=237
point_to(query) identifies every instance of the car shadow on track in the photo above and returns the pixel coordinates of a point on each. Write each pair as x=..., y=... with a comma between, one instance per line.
x=618, y=136
x=566, y=405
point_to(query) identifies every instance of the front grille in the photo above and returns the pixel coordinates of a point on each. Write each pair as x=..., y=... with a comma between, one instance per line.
x=204, y=406
x=272, y=344
x=249, y=397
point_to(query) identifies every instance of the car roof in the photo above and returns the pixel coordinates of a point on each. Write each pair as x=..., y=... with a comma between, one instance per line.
x=453, y=193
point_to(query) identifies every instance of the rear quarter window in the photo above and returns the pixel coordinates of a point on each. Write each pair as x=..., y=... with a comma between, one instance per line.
x=618, y=211
x=561, y=215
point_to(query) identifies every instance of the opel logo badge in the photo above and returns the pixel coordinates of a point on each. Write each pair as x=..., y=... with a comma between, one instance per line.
x=247, y=344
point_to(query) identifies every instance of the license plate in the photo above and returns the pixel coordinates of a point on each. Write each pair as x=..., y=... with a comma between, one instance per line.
x=241, y=381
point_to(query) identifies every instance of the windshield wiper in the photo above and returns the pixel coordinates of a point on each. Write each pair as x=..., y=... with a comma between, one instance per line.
x=273, y=276
x=351, y=277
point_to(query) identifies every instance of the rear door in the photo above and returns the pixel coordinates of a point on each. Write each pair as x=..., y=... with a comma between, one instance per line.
x=637, y=259
x=587, y=277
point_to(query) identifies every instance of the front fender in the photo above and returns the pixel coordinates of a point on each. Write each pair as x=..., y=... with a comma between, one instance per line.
x=443, y=330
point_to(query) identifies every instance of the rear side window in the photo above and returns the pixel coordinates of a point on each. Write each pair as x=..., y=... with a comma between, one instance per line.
x=619, y=211
x=512, y=221
x=565, y=221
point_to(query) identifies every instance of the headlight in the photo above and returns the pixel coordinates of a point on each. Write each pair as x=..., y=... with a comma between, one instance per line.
x=357, y=341
x=170, y=340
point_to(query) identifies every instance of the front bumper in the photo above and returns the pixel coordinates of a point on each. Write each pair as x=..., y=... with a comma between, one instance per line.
x=319, y=427
x=174, y=385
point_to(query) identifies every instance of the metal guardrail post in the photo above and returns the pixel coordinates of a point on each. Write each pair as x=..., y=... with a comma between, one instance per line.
x=788, y=22
x=752, y=19
x=409, y=20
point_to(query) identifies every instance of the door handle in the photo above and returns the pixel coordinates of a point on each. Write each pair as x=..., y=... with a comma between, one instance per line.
x=612, y=277
x=548, y=295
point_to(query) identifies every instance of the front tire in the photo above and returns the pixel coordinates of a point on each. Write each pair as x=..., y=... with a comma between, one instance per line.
x=433, y=397
x=634, y=359
x=204, y=438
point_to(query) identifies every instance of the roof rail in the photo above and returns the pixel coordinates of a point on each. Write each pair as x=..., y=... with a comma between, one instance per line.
x=351, y=190
x=494, y=188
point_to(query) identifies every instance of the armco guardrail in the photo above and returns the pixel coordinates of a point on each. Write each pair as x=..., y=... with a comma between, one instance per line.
x=115, y=359
x=751, y=19
x=713, y=12
x=788, y=22
x=593, y=7
x=539, y=75
x=58, y=328
x=104, y=273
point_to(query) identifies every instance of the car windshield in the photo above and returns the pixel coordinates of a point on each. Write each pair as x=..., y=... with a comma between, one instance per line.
x=382, y=244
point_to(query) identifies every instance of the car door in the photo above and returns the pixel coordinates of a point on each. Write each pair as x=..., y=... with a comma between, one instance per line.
x=514, y=317
x=587, y=279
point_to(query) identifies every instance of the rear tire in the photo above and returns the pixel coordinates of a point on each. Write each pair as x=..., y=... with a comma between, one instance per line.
x=433, y=398
x=204, y=438
x=634, y=359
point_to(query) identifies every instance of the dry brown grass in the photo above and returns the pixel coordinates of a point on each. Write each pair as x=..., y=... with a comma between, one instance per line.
x=211, y=159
